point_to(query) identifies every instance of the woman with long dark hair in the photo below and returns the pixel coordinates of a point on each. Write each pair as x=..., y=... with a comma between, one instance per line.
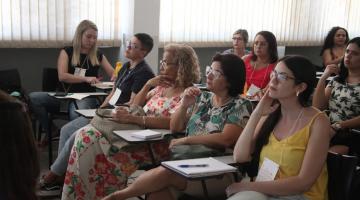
x=284, y=132
x=333, y=50
x=341, y=96
x=20, y=167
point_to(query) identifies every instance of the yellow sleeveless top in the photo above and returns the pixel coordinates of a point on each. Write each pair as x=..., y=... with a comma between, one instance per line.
x=289, y=154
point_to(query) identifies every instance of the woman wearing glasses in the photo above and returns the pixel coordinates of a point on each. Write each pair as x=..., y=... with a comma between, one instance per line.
x=260, y=63
x=213, y=119
x=96, y=168
x=286, y=135
x=239, y=40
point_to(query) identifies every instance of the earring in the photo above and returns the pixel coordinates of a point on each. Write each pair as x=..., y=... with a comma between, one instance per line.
x=297, y=93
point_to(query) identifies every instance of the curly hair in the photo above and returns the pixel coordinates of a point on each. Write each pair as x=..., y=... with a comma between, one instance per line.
x=189, y=68
x=329, y=39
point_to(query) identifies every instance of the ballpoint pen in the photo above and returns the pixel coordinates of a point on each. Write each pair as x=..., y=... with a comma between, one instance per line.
x=197, y=165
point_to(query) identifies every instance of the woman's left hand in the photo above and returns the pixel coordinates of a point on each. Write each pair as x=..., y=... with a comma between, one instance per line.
x=121, y=114
x=235, y=188
x=175, y=142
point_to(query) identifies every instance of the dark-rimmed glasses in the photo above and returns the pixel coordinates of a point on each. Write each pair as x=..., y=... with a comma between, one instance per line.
x=280, y=76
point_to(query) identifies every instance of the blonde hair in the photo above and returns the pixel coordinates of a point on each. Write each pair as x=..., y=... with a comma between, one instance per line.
x=185, y=57
x=92, y=56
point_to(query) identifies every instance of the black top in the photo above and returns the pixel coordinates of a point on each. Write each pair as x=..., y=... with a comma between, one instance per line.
x=132, y=80
x=84, y=64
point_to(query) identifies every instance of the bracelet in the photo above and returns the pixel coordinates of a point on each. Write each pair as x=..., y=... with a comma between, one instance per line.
x=144, y=122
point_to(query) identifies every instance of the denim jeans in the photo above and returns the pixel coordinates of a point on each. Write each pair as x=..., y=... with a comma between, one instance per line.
x=67, y=137
x=42, y=104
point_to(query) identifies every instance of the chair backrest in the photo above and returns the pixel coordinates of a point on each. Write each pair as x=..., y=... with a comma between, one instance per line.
x=341, y=170
x=50, y=80
x=10, y=80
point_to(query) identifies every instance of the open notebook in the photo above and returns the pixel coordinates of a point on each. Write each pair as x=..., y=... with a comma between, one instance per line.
x=200, y=167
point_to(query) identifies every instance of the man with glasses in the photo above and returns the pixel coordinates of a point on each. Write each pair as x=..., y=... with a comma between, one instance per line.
x=131, y=78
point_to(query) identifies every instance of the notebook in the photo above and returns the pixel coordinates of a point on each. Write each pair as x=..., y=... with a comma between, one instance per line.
x=146, y=134
x=200, y=167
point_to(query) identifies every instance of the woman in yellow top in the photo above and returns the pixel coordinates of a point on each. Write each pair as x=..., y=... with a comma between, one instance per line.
x=292, y=135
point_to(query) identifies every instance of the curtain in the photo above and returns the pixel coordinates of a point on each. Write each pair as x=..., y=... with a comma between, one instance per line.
x=204, y=23
x=52, y=23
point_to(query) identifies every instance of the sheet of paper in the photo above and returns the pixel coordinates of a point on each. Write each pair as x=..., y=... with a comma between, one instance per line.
x=115, y=97
x=267, y=171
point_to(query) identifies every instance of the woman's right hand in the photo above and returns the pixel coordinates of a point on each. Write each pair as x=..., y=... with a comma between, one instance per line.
x=266, y=105
x=160, y=80
x=331, y=69
x=91, y=79
x=189, y=96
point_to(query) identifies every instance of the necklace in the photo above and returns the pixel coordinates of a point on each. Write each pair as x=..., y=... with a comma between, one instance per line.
x=296, y=121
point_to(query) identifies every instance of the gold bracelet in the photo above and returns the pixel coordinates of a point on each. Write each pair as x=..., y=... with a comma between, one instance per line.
x=144, y=122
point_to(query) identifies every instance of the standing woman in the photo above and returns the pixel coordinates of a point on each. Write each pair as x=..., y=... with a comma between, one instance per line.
x=342, y=96
x=240, y=39
x=285, y=131
x=78, y=67
x=260, y=63
x=334, y=46
x=20, y=169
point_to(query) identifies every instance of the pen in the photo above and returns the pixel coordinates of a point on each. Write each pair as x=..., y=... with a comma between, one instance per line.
x=198, y=165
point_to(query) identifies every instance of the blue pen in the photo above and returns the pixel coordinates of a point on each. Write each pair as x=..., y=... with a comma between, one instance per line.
x=198, y=165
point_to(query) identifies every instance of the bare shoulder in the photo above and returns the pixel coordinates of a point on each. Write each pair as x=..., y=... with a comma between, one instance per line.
x=321, y=122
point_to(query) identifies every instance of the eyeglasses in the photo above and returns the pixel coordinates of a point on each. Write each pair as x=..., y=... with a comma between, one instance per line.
x=165, y=64
x=130, y=45
x=216, y=73
x=237, y=39
x=280, y=76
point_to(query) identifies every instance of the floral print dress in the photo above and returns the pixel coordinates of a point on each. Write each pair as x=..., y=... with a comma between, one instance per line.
x=96, y=168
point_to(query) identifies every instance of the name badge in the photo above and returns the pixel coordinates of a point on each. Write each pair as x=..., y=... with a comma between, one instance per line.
x=79, y=72
x=267, y=171
x=253, y=89
x=115, y=97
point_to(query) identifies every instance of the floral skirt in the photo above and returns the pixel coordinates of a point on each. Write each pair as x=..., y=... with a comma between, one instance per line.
x=97, y=169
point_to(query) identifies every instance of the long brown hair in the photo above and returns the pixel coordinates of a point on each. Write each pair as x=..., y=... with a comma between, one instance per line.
x=20, y=169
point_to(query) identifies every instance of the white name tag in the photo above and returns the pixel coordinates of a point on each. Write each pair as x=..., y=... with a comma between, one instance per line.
x=79, y=72
x=267, y=171
x=115, y=97
x=253, y=89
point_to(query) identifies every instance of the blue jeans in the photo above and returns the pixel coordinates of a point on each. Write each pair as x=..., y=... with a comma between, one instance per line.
x=67, y=137
x=42, y=104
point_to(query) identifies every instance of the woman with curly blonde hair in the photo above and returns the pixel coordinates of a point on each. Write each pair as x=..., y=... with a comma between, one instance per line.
x=96, y=167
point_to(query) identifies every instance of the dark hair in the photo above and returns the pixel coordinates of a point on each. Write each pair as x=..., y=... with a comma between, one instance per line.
x=244, y=34
x=329, y=39
x=233, y=68
x=304, y=72
x=271, y=40
x=146, y=40
x=344, y=72
x=19, y=173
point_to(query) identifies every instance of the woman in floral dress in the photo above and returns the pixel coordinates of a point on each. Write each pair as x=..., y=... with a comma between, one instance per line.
x=214, y=119
x=342, y=97
x=96, y=168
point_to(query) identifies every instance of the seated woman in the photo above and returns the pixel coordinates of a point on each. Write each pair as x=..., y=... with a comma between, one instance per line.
x=290, y=136
x=214, y=119
x=333, y=50
x=97, y=168
x=78, y=66
x=260, y=63
x=20, y=169
x=341, y=96
x=239, y=40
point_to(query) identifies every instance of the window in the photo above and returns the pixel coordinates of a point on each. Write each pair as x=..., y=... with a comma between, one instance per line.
x=203, y=23
x=52, y=23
